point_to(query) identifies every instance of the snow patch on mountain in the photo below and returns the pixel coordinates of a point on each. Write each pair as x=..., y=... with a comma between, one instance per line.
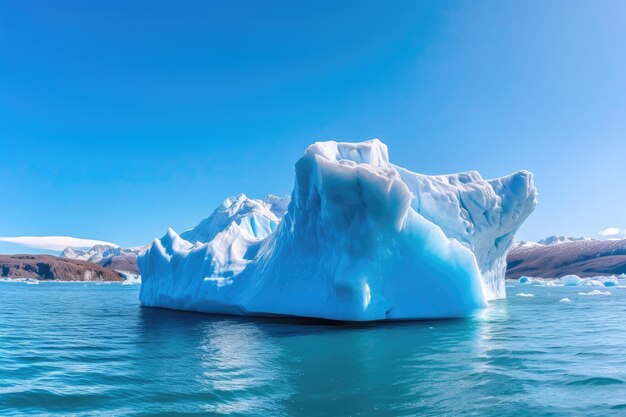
x=97, y=253
x=550, y=241
x=116, y=258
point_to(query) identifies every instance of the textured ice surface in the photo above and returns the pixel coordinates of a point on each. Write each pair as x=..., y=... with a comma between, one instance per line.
x=255, y=219
x=362, y=239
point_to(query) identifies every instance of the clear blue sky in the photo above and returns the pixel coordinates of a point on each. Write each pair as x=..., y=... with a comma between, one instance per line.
x=118, y=120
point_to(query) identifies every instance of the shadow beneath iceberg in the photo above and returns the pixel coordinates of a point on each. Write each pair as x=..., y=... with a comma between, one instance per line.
x=277, y=326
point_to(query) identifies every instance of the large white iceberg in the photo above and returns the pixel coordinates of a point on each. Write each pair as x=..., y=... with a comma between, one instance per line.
x=362, y=239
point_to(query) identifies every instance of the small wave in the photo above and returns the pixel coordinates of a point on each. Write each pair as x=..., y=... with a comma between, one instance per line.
x=595, y=292
x=565, y=300
x=597, y=381
x=525, y=294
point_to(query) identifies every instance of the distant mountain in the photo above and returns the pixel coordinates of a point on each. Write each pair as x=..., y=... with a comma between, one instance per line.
x=556, y=240
x=557, y=256
x=549, y=241
x=48, y=267
x=116, y=258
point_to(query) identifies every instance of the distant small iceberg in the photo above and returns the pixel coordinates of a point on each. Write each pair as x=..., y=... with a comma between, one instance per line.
x=595, y=292
x=570, y=280
x=130, y=279
x=574, y=281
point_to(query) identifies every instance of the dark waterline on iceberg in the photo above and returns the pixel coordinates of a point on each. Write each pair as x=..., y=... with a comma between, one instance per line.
x=88, y=349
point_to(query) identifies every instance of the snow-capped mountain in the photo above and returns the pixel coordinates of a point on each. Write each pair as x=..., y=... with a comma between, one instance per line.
x=557, y=256
x=549, y=241
x=362, y=239
x=117, y=258
x=556, y=240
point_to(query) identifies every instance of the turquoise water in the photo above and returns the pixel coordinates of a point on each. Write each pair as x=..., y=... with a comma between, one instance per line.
x=87, y=349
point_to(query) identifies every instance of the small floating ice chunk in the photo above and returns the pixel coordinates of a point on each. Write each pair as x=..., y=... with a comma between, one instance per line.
x=570, y=280
x=525, y=294
x=524, y=279
x=565, y=300
x=130, y=279
x=595, y=292
x=592, y=282
x=548, y=283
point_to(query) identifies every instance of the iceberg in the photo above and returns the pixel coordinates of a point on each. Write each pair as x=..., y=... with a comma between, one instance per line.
x=359, y=239
x=571, y=280
x=610, y=281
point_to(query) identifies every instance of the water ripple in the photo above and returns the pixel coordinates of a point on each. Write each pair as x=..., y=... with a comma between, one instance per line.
x=92, y=350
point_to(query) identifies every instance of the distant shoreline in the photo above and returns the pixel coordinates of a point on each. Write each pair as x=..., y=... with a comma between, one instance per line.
x=53, y=268
x=27, y=280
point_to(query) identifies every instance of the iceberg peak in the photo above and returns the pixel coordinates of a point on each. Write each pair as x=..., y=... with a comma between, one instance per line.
x=372, y=152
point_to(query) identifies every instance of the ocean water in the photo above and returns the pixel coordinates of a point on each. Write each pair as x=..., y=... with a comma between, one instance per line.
x=86, y=349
